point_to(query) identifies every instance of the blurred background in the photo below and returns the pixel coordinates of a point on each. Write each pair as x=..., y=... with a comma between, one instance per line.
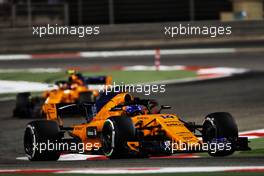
x=22, y=13
x=117, y=17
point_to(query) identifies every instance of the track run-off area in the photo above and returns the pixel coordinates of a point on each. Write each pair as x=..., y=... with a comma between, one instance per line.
x=242, y=95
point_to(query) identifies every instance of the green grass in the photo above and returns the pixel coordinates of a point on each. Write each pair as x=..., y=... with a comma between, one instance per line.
x=257, y=146
x=7, y=95
x=145, y=76
x=118, y=76
x=257, y=149
x=158, y=174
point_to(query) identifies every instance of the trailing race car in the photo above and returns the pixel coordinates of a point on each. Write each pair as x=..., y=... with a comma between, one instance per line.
x=119, y=125
x=76, y=90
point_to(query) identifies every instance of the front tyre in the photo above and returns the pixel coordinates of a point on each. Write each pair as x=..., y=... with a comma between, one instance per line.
x=117, y=131
x=220, y=127
x=38, y=135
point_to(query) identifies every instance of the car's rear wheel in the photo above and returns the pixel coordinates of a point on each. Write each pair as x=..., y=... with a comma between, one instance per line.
x=40, y=139
x=22, y=108
x=220, y=128
x=116, y=132
x=36, y=105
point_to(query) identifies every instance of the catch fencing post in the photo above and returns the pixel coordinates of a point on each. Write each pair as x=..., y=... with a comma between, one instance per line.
x=66, y=14
x=80, y=14
x=192, y=10
x=29, y=11
x=13, y=15
x=111, y=11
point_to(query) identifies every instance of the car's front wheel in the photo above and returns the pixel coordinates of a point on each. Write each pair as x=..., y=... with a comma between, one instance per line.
x=116, y=133
x=40, y=139
x=220, y=132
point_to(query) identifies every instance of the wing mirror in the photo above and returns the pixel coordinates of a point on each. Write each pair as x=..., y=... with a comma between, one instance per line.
x=164, y=107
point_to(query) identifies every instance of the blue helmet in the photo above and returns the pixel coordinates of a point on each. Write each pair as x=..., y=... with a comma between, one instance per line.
x=132, y=109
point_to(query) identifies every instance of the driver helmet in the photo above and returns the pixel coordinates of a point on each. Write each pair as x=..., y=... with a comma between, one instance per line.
x=133, y=110
x=77, y=79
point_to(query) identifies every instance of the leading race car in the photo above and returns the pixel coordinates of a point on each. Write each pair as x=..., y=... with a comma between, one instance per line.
x=119, y=125
x=75, y=90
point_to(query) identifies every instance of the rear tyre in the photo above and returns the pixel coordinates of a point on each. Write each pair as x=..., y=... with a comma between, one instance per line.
x=36, y=105
x=43, y=133
x=22, y=108
x=220, y=127
x=117, y=131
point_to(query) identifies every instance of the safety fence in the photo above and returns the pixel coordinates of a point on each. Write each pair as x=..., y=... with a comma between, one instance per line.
x=130, y=36
x=81, y=12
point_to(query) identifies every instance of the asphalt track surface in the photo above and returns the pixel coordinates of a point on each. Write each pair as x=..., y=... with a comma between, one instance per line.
x=241, y=95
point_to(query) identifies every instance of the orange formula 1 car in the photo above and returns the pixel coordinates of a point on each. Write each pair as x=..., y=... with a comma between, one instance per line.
x=77, y=89
x=119, y=125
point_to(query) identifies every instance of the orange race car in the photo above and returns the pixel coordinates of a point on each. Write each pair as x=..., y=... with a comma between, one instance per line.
x=77, y=89
x=119, y=125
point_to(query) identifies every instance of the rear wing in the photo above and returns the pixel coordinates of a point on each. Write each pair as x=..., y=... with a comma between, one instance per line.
x=62, y=110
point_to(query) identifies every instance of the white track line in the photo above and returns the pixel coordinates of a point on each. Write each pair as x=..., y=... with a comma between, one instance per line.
x=147, y=170
x=153, y=68
x=141, y=170
x=203, y=74
x=252, y=131
x=94, y=54
x=252, y=134
x=79, y=157
x=21, y=86
x=69, y=157
x=221, y=70
x=15, y=57
x=32, y=70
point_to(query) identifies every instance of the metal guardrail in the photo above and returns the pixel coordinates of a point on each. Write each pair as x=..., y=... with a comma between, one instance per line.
x=128, y=36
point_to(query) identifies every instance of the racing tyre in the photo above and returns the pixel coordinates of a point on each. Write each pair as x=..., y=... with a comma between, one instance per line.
x=116, y=132
x=87, y=97
x=22, y=108
x=220, y=128
x=45, y=133
x=36, y=107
